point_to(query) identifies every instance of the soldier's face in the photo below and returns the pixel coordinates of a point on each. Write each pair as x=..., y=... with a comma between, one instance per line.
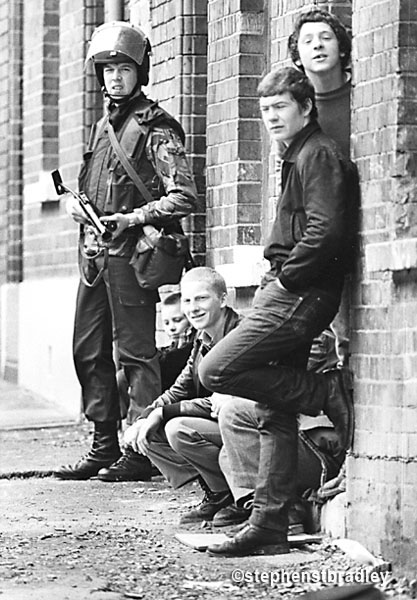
x=119, y=79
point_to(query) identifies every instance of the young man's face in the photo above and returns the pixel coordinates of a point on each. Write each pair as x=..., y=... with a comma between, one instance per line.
x=119, y=78
x=201, y=304
x=283, y=117
x=318, y=48
x=174, y=320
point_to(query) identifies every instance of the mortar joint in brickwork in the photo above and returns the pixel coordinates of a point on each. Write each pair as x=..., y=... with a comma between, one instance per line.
x=383, y=457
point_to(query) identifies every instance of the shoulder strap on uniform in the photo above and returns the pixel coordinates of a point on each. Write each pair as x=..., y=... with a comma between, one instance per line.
x=131, y=133
x=96, y=132
x=124, y=159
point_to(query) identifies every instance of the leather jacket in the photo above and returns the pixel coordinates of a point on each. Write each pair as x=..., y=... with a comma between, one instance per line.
x=311, y=242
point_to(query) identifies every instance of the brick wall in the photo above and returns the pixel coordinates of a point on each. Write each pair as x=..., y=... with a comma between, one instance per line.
x=40, y=127
x=11, y=18
x=4, y=116
x=40, y=86
x=178, y=80
x=234, y=171
x=65, y=102
x=14, y=138
x=178, y=34
x=383, y=467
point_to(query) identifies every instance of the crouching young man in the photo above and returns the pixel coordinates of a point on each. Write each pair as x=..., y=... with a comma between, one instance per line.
x=264, y=358
x=178, y=432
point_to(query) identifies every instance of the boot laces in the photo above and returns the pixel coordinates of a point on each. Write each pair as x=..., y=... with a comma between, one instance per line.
x=123, y=461
x=208, y=493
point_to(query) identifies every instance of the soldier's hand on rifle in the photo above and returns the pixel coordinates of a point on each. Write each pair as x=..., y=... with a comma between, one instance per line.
x=74, y=210
x=120, y=223
x=123, y=221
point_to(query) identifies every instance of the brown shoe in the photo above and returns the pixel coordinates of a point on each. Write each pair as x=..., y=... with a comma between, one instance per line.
x=252, y=540
x=338, y=405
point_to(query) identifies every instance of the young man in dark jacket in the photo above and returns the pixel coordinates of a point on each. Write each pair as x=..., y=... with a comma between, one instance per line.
x=264, y=359
x=110, y=302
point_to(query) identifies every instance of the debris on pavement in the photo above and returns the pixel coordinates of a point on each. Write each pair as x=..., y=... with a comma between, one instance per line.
x=89, y=539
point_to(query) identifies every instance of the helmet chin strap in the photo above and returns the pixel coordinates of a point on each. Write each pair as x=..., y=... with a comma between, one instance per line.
x=121, y=99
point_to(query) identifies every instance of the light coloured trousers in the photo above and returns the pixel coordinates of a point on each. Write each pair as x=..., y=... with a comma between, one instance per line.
x=187, y=447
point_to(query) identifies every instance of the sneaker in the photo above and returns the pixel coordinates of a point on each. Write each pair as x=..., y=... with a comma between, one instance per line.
x=131, y=466
x=208, y=507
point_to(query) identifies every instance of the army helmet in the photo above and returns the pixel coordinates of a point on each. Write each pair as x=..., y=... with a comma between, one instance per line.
x=119, y=41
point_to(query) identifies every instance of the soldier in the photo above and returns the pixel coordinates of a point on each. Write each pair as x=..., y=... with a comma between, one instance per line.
x=110, y=302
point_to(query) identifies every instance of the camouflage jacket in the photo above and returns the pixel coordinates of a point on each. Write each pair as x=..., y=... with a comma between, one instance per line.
x=154, y=143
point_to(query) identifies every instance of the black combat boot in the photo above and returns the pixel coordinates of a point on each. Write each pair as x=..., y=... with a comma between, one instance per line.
x=131, y=466
x=234, y=514
x=104, y=451
x=209, y=506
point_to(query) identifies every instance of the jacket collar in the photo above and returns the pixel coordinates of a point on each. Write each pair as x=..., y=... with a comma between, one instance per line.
x=291, y=153
x=231, y=319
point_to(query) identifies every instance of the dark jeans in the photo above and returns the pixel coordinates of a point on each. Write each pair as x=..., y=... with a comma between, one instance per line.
x=264, y=359
x=117, y=308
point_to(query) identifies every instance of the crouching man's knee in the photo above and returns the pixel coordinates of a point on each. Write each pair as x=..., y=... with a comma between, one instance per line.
x=229, y=411
x=237, y=414
x=179, y=433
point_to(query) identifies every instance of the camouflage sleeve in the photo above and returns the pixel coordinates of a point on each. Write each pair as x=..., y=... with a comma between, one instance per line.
x=167, y=154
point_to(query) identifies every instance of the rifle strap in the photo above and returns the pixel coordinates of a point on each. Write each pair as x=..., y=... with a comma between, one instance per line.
x=124, y=159
x=85, y=262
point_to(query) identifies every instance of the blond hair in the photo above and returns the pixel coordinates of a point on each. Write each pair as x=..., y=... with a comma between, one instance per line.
x=209, y=276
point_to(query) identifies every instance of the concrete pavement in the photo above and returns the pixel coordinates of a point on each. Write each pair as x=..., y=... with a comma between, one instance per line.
x=20, y=408
x=35, y=435
x=78, y=540
x=82, y=539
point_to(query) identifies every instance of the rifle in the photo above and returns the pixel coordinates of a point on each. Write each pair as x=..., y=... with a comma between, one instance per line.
x=102, y=228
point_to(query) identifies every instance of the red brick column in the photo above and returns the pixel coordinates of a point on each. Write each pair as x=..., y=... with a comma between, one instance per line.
x=382, y=471
x=40, y=87
x=11, y=159
x=40, y=127
x=178, y=33
x=58, y=112
x=80, y=98
x=234, y=169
